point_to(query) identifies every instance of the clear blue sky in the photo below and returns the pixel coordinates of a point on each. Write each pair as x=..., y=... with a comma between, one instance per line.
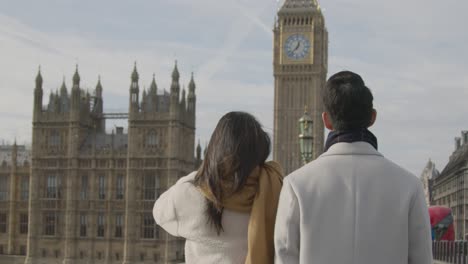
x=411, y=53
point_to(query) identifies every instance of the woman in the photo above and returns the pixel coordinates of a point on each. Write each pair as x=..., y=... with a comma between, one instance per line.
x=226, y=210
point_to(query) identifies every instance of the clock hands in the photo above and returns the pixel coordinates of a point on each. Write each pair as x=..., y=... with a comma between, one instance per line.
x=297, y=46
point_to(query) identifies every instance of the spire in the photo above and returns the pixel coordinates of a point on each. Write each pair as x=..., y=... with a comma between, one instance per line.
x=175, y=73
x=153, y=86
x=63, y=88
x=39, y=79
x=183, y=99
x=192, y=85
x=198, y=151
x=135, y=73
x=134, y=92
x=76, y=77
x=99, y=87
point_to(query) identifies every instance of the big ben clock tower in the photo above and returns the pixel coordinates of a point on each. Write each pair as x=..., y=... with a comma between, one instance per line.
x=300, y=69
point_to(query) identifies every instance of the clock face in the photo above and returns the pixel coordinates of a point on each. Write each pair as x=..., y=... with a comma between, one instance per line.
x=297, y=46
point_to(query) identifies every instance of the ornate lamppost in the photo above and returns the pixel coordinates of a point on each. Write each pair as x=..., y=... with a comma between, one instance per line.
x=306, y=138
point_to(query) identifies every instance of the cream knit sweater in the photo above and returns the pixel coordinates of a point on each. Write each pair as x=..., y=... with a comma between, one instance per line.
x=181, y=212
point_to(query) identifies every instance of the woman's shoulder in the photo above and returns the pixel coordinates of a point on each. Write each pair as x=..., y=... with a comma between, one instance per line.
x=187, y=179
x=185, y=188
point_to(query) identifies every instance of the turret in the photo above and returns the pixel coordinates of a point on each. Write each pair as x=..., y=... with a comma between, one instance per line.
x=64, y=102
x=99, y=88
x=50, y=105
x=144, y=107
x=153, y=88
x=134, y=91
x=57, y=103
x=199, y=150
x=152, y=99
x=191, y=98
x=182, y=102
x=38, y=96
x=175, y=88
x=75, y=104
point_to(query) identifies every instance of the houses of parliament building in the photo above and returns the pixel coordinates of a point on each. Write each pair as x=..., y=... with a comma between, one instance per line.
x=82, y=195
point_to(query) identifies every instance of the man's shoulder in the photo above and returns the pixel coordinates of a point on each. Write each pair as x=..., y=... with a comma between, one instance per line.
x=325, y=167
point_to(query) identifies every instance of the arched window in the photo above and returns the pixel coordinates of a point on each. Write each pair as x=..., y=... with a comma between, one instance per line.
x=152, y=139
x=54, y=139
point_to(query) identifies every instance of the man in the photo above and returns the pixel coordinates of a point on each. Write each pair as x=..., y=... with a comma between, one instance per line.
x=351, y=205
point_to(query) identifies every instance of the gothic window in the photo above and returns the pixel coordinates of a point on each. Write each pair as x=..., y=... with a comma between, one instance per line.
x=120, y=187
x=25, y=188
x=102, y=187
x=51, y=191
x=118, y=225
x=150, y=187
x=50, y=223
x=54, y=139
x=83, y=224
x=152, y=139
x=148, y=226
x=23, y=226
x=84, y=187
x=3, y=188
x=3, y=222
x=100, y=227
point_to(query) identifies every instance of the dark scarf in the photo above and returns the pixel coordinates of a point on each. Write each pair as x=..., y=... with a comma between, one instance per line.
x=351, y=136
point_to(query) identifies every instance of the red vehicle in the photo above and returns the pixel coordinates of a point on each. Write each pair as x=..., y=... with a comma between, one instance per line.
x=441, y=223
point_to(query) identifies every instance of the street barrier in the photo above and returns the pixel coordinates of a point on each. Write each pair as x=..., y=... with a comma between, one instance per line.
x=455, y=252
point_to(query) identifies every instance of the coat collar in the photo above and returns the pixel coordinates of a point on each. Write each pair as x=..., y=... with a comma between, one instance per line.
x=355, y=148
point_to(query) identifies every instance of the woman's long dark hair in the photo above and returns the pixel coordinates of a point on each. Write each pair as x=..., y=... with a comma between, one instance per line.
x=237, y=146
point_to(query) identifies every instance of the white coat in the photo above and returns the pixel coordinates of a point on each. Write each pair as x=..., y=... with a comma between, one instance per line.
x=181, y=212
x=352, y=206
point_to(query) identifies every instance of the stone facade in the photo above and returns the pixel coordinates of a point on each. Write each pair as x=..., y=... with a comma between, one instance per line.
x=429, y=174
x=300, y=68
x=14, y=195
x=91, y=193
x=450, y=188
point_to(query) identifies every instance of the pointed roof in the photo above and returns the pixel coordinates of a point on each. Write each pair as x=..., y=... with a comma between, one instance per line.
x=183, y=95
x=99, y=85
x=199, y=150
x=39, y=78
x=175, y=72
x=153, y=86
x=63, y=88
x=192, y=85
x=198, y=146
x=299, y=6
x=76, y=77
x=135, y=73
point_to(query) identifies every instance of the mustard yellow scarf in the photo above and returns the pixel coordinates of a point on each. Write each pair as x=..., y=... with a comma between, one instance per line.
x=259, y=197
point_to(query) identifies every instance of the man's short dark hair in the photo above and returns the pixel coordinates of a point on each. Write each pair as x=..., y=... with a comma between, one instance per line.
x=348, y=101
